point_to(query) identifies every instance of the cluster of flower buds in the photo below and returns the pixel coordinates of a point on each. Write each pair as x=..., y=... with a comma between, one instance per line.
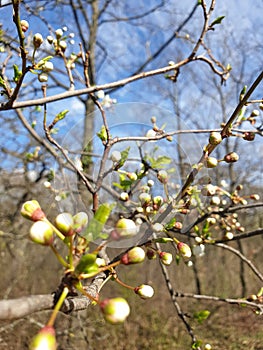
x=42, y=231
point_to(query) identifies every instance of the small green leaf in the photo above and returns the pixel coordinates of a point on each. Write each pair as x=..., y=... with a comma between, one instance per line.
x=201, y=315
x=102, y=134
x=87, y=264
x=197, y=344
x=17, y=73
x=96, y=224
x=60, y=116
x=2, y=83
x=170, y=224
x=218, y=20
x=124, y=157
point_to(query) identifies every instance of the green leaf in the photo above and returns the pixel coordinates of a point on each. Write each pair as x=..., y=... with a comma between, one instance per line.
x=61, y=115
x=17, y=73
x=163, y=240
x=2, y=83
x=201, y=315
x=87, y=264
x=96, y=224
x=170, y=224
x=102, y=134
x=218, y=20
x=197, y=344
x=124, y=156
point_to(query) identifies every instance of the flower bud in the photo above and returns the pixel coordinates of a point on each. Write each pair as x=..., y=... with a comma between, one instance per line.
x=199, y=250
x=126, y=228
x=211, y=162
x=31, y=210
x=41, y=232
x=249, y=136
x=145, y=198
x=211, y=221
x=215, y=138
x=255, y=197
x=144, y=291
x=132, y=176
x=65, y=223
x=254, y=113
x=45, y=339
x=150, y=183
x=215, y=200
x=24, y=25
x=209, y=190
x=151, y=254
x=50, y=39
x=124, y=196
x=228, y=235
x=162, y=176
x=208, y=347
x=63, y=45
x=42, y=77
x=157, y=227
x=47, y=67
x=115, y=310
x=134, y=256
x=80, y=221
x=158, y=201
x=166, y=258
x=184, y=250
x=231, y=157
x=37, y=40
x=59, y=33
x=178, y=225
x=116, y=156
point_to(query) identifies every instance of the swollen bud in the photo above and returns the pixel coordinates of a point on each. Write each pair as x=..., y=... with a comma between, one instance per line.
x=24, y=25
x=115, y=310
x=45, y=339
x=41, y=233
x=215, y=138
x=31, y=210
x=231, y=157
x=65, y=223
x=144, y=291
x=166, y=258
x=184, y=250
x=42, y=77
x=80, y=221
x=126, y=228
x=37, y=40
x=134, y=256
x=162, y=176
x=211, y=162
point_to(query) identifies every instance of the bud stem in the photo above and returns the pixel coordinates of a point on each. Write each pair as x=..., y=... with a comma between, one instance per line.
x=57, y=307
x=84, y=292
x=59, y=257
